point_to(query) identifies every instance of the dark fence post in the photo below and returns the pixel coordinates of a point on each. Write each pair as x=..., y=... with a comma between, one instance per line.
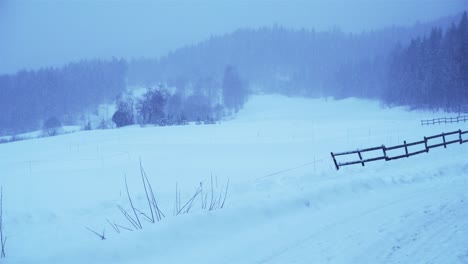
x=360, y=158
x=406, y=148
x=459, y=136
x=425, y=144
x=443, y=138
x=334, y=160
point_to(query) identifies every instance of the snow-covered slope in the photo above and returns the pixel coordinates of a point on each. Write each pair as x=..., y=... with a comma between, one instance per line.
x=286, y=203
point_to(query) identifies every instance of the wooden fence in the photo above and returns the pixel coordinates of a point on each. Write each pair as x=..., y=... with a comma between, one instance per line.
x=424, y=147
x=444, y=120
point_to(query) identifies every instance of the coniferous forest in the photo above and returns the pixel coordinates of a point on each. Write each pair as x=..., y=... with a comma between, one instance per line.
x=28, y=98
x=422, y=67
x=432, y=71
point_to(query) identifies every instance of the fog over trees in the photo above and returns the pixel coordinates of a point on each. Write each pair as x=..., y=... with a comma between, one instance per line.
x=424, y=66
x=29, y=98
x=432, y=71
x=294, y=62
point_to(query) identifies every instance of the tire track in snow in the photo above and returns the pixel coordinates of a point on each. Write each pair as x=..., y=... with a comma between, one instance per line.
x=332, y=226
x=435, y=222
x=434, y=236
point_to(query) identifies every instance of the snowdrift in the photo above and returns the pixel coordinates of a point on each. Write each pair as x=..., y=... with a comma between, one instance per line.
x=286, y=203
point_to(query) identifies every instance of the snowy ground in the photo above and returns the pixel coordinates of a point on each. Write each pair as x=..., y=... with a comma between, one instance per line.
x=412, y=210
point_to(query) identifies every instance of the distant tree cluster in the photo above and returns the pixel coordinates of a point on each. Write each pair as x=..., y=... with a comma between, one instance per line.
x=432, y=72
x=124, y=113
x=52, y=127
x=151, y=106
x=160, y=107
x=29, y=98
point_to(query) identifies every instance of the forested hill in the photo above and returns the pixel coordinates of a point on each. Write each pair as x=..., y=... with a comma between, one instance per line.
x=27, y=98
x=398, y=65
x=277, y=59
x=432, y=71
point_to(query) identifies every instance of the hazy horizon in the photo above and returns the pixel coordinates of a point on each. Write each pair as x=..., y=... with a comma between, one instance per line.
x=50, y=33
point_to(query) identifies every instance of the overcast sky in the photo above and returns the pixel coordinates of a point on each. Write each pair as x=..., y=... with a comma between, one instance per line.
x=36, y=33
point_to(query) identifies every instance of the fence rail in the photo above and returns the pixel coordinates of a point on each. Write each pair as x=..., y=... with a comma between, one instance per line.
x=424, y=144
x=444, y=120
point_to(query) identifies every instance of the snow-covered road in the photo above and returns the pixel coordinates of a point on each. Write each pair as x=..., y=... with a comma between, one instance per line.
x=417, y=223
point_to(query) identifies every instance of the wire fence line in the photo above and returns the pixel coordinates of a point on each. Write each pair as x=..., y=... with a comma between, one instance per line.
x=314, y=163
x=444, y=120
x=424, y=147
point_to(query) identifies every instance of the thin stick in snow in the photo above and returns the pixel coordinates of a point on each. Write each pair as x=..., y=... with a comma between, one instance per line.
x=2, y=238
x=152, y=201
x=212, y=194
x=189, y=203
x=102, y=236
x=149, y=219
x=117, y=230
x=176, y=208
x=128, y=216
x=225, y=194
x=143, y=174
x=131, y=204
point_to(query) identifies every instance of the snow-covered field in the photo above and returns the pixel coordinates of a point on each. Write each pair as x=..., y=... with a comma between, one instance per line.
x=286, y=203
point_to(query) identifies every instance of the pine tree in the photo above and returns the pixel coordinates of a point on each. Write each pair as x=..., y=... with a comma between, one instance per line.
x=234, y=90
